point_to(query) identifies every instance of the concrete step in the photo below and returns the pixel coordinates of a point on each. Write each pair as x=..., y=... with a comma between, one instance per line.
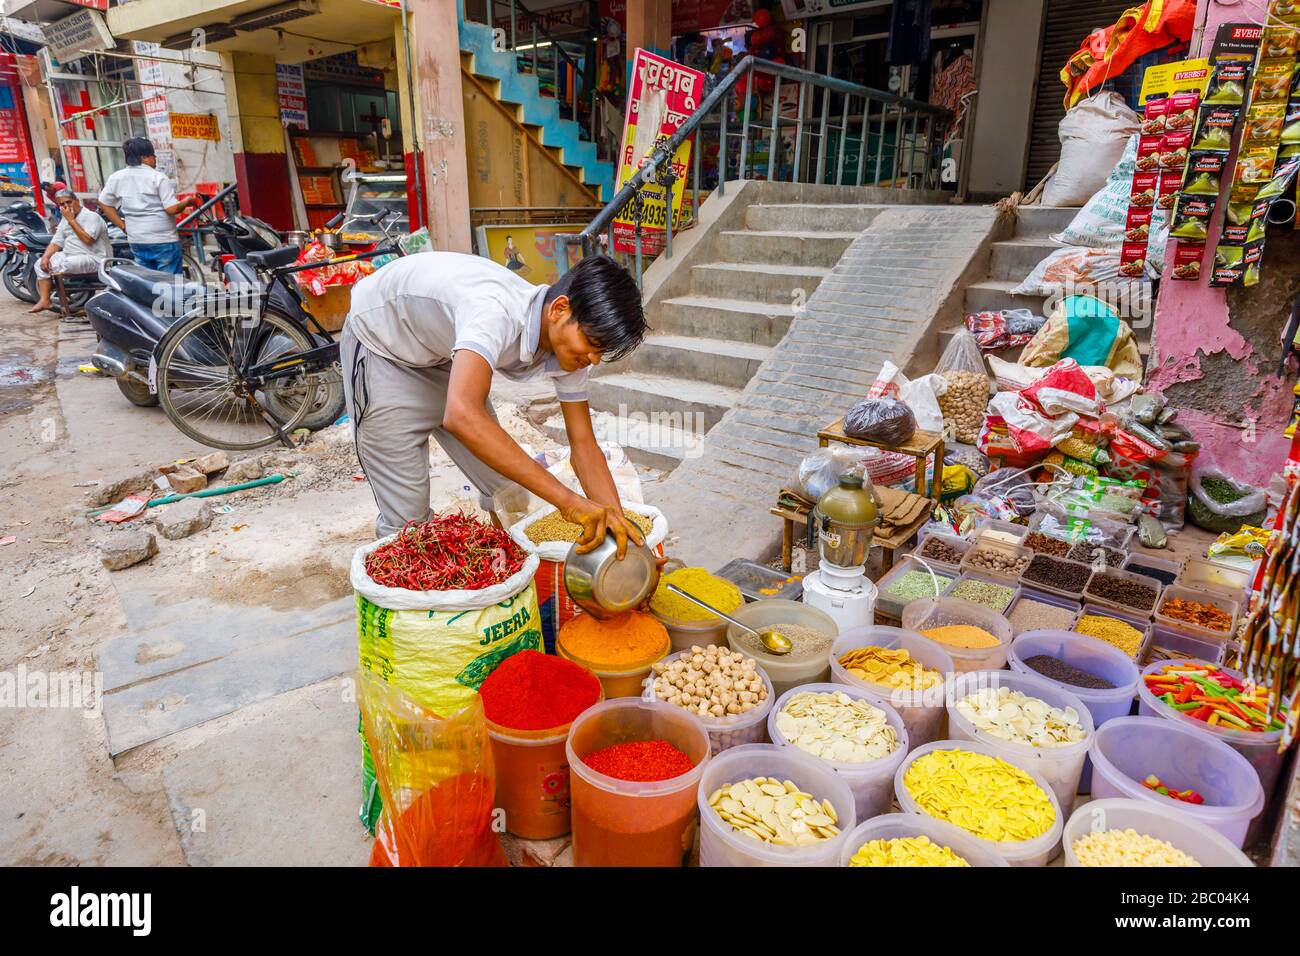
x=650, y=443
x=1016, y=258
x=1043, y=220
x=694, y=406
x=758, y=281
x=715, y=318
x=721, y=361
x=812, y=217
x=992, y=295
x=788, y=247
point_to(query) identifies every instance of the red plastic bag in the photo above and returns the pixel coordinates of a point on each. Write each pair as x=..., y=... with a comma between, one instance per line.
x=1065, y=388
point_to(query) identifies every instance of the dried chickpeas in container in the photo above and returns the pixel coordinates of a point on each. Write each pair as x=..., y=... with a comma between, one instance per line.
x=901, y=668
x=1004, y=806
x=729, y=693
x=1030, y=721
x=860, y=738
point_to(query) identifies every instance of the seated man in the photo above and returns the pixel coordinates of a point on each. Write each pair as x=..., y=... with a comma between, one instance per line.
x=79, y=245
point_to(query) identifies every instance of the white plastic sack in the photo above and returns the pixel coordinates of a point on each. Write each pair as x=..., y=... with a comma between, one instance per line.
x=1020, y=414
x=1111, y=388
x=1093, y=135
x=920, y=395
x=559, y=550
x=1074, y=268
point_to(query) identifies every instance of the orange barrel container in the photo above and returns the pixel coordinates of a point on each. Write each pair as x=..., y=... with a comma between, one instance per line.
x=627, y=823
x=533, y=779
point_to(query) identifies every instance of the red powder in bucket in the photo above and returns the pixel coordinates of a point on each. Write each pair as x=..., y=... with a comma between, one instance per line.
x=535, y=691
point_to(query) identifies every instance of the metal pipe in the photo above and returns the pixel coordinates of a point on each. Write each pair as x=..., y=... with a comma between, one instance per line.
x=775, y=132
x=797, y=171
x=722, y=140
x=821, y=136
x=844, y=139
x=532, y=54
x=695, y=174
x=744, y=125
x=862, y=137
x=513, y=40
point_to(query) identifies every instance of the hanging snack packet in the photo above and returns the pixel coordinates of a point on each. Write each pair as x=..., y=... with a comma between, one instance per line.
x=1272, y=81
x=1278, y=41
x=1181, y=113
x=1153, y=118
x=1204, y=173
x=1214, y=127
x=1187, y=260
x=1145, y=186
x=1228, y=83
x=1264, y=123
x=1228, y=267
x=1251, y=257
x=1255, y=164
x=1243, y=222
x=1148, y=153
x=1173, y=149
x=1192, y=217
x=1171, y=180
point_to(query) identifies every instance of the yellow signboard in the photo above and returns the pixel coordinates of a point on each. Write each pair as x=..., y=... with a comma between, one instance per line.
x=194, y=126
x=1167, y=78
x=530, y=252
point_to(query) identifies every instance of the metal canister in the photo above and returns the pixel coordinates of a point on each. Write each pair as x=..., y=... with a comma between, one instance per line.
x=844, y=522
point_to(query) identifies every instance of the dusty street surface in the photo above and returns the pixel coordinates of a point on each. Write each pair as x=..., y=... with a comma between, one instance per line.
x=226, y=731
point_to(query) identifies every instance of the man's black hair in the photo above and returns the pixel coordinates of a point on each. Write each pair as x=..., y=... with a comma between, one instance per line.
x=606, y=303
x=136, y=149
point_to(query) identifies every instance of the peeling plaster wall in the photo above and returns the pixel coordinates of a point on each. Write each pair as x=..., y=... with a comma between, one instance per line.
x=1215, y=350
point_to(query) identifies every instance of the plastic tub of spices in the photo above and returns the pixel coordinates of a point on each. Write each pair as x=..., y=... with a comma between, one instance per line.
x=625, y=822
x=939, y=614
x=1088, y=654
x=689, y=624
x=942, y=550
x=1056, y=576
x=985, y=590
x=1213, y=576
x=721, y=845
x=1170, y=645
x=1164, y=570
x=1003, y=532
x=965, y=801
x=1259, y=748
x=871, y=781
x=1060, y=765
x=1206, y=846
x=910, y=580
x=1124, y=591
x=1128, y=632
x=1038, y=611
x=726, y=731
x=904, y=826
x=1127, y=750
x=922, y=708
x=807, y=662
x=620, y=659
x=992, y=559
x=1209, y=600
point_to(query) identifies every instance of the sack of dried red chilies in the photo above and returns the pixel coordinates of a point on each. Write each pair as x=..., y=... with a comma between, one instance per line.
x=439, y=605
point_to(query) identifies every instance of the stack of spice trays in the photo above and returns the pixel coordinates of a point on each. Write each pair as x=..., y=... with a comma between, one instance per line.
x=1164, y=570
x=1125, y=591
x=1111, y=633
x=1212, y=576
x=941, y=549
x=1198, y=612
x=907, y=581
x=986, y=591
x=990, y=558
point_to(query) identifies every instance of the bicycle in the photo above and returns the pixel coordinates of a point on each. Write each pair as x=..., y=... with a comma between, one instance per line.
x=238, y=378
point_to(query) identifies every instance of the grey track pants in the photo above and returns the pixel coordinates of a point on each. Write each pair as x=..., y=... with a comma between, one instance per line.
x=394, y=409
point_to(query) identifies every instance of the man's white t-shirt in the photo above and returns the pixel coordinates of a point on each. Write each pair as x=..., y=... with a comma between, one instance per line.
x=419, y=310
x=142, y=194
x=70, y=243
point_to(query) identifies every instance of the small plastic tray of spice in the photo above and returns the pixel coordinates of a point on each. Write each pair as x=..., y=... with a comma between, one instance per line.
x=1039, y=611
x=995, y=560
x=1212, y=576
x=1123, y=590
x=1170, y=645
x=1202, y=609
x=1085, y=552
x=909, y=581
x=1003, y=532
x=1164, y=570
x=986, y=591
x=1040, y=542
x=939, y=549
x=1138, y=623
x=1055, y=576
x=758, y=582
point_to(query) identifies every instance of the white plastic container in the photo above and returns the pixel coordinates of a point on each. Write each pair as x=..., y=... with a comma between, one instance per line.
x=1059, y=766
x=784, y=672
x=726, y=732
x=923, y=712
x=894, y=826
x=940, y=612
x=1035, y=852
x=941, y=576
x=1206, y=846
x=722, y=846
x=1086, y=653
x=872, y=783
x=1127, y=749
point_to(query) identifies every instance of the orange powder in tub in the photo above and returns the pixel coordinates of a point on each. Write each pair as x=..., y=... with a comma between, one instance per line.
x=626, y=640
x=962, y=635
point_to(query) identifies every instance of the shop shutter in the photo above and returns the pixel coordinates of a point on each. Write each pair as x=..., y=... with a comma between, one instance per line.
x=1065, y=25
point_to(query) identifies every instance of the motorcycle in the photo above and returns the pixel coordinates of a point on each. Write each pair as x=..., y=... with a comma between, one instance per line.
x=23, y=214
x=18, y=267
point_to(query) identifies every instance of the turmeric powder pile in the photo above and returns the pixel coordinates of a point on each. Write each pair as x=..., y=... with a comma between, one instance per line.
x=623, y=641
x=962, y=635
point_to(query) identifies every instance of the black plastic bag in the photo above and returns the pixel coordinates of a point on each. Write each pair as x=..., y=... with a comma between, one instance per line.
x=884, y=420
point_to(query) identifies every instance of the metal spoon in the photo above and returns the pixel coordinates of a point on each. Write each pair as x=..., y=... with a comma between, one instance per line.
x=773, y=641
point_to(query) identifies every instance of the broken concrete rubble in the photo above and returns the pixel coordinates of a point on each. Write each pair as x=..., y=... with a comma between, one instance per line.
x=123, y=548
x=184, y=518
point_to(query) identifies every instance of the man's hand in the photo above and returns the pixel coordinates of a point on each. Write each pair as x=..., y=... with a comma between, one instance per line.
x=596, y=520
x=45, y=262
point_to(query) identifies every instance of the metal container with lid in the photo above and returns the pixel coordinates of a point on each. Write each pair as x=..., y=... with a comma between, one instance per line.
x=844, y=522
x=598, y=582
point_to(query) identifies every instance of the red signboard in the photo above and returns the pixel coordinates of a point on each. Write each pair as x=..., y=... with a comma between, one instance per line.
x=17, y=162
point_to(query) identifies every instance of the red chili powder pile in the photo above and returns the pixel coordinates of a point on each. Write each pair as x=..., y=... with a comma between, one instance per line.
x=640, y=761
x=535, y=691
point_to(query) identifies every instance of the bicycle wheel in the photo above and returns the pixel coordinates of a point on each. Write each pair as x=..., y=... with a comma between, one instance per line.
x=202, y=391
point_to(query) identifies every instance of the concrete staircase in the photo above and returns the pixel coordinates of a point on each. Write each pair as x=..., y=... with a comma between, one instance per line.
x=540, y=113
x=711, y=338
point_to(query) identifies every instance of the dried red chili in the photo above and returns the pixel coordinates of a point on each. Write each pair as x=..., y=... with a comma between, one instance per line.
x=450, y=552
x=640, y=761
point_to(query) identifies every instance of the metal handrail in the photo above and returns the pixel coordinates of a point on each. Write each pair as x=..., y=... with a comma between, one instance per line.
x=659, y=161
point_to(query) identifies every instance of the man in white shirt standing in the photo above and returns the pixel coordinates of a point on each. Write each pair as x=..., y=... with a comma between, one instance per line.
x=142, y=202
x=423, y=338
x=79, y=245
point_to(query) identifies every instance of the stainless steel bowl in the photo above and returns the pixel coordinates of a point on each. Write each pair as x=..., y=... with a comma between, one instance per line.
x=297, y=237
x=331, y=241
x=600, y=583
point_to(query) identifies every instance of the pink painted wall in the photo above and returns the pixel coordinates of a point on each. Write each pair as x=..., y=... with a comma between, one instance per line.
x=1192, y=320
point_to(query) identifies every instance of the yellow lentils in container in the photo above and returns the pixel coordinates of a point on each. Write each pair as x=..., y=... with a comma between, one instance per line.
x=983, y=795
x=1111, y=630
x=1128, y=848
x=906, y=851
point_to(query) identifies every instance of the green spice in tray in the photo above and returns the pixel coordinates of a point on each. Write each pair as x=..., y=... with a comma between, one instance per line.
x=914, y=585
x=995, y=597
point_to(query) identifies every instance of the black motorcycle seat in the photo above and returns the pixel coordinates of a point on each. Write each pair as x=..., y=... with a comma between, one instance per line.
x=41, y=238
x=171, y=294
x=274, y=258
